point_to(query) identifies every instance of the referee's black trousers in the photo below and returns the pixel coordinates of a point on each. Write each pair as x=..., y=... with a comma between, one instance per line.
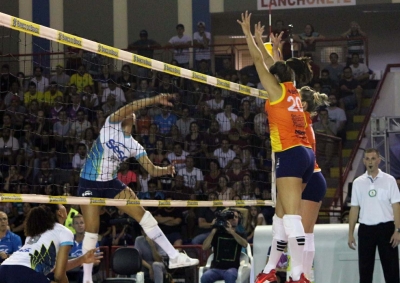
x=370, y=237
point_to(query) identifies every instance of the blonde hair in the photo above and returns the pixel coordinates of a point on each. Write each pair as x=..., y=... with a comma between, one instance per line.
x=313, y=98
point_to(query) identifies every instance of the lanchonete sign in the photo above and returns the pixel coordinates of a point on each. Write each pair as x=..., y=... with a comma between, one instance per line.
x=296, y=4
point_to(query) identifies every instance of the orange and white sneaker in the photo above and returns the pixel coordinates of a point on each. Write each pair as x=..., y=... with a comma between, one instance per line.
x=266, y=277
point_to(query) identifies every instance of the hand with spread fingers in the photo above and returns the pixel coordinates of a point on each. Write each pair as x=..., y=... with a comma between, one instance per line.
x=245, y=23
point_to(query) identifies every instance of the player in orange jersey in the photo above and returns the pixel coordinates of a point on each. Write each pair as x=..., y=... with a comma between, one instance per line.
x=316, y=187
x=294, y=156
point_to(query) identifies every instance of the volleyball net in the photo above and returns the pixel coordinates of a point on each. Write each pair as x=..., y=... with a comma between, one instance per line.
x=56, y=101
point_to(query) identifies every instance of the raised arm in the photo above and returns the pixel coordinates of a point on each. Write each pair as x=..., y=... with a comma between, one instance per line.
x=127, y=111
x=275, y=43
x=268, y=81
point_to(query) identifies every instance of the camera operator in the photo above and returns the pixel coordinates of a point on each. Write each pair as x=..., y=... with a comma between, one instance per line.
x=227, y=243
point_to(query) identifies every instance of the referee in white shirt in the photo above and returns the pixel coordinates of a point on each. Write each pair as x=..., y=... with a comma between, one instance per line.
x=376, y=196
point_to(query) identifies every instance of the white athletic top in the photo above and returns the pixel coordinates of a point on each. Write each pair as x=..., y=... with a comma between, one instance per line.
x=110, y=149
x=375, y=197
x=40, y=252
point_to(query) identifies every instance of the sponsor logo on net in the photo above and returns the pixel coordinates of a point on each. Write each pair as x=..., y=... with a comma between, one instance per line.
x=10, y=198
x=107, y=50
x=192, y=203
x=164, y=203
x=57, y=199
x=240, y=203
x=133, y=202
x=140, y=60
x=199, y=77
x=69, y=39
x=244, y=89
x=223, y=84
x=25, y=26
x=260, y=202
x=98, y=201
x=172, y=69
x=218, y=203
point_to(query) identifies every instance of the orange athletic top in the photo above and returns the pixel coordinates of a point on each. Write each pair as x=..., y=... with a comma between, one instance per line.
x=286, y=120
x=311, y=137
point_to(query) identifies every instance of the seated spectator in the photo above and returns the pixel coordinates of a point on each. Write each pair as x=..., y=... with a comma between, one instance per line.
x=78, y=161
x=127, y=82
x=193, y=141
x=88, y=138
x=234, y=138
x=205, y=216
x=226, y=119
x=264, y=162
x=249, y=188
x=121, y=230
x=214, y=136
x=10, y=242
x=18, y=224
x=98, y=121
x=7, y=123
x=227, y=68
x=159, y=153
x=360, y=70
x=223, y=189
x=142, y=180
x=56, y=108
x=90, y=98
x=127, y=176
x=33, y=94
x=204, y=68
x=76, y=104
x=184, y=122
x=180, y=191
x=60, y=78
x=224, y=154
x=16, y=112
x=6, y=78
x=216, y=104
x=248, y=115
x=174, y=136
x=152, y=258
x=211, y=179
x=178, y=156
x=111, y=105
x=105, y=230
x=52, y=94
x=166, y=85
x=45, y=176
x=165, y=120
x=41, y=82
x=255, y=218
x=338, y=116
x=113, y=89
x=79, y=126
x=104, y=79
x=149, y=141
x=165, y=182
x=324, y=126
x=308, y=38
x=61, y=130
x=81, y=79
x=192, y=176
x=227, y=243
x=350, y=92
x=15, y=91
x=327, y=85
x=236, y=173
x=9, y=148
x=144, y=90
x=169, y=220
x=355, y=43
x=204, y=116
x=334, y=68
x=12, y=180
x=248, y=162
x=78, y=224
x=143, y=122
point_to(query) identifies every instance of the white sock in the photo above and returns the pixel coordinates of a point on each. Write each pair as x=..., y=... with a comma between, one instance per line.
x=296, y=240
x=279, y=242
x=89, y=242
x=308, y=256
x=150, y=227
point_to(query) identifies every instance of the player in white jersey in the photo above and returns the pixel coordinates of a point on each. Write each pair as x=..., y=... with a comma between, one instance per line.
x=99, y=179
x=46, y=248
